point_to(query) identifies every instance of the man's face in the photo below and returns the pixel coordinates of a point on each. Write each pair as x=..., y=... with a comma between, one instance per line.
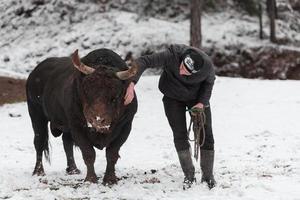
x=183, y=70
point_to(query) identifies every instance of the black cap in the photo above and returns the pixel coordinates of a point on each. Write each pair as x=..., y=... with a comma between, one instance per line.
x=192, y=60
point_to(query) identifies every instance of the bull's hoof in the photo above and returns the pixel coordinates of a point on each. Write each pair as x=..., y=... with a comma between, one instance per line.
x=91, y=179
x=38, y=170
x=72, y=170
x=110, y=179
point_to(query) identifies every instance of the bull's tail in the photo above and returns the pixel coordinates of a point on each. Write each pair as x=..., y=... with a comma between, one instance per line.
x=47, y=151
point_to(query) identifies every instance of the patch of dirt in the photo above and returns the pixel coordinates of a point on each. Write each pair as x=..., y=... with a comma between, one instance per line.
x=12, y=90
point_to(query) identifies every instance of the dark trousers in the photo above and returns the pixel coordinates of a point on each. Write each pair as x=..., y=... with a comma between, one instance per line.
x=175, y=111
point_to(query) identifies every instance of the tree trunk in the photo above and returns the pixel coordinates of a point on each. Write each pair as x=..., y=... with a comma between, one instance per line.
x=195, y=28
x=260, y=21
x=271, y=8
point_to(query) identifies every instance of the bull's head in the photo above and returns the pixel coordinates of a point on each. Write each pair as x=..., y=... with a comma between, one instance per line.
x=102, y=93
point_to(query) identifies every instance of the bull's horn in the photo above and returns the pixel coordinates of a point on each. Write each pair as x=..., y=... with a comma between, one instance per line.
x=124, y=75
x=79, y=65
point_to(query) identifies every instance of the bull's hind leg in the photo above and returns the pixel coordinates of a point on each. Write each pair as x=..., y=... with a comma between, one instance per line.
x=39, y=125
x=68, y=147
x=112, y=155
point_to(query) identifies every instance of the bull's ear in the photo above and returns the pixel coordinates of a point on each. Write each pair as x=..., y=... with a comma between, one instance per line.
x=79, y=65
x=124, y=75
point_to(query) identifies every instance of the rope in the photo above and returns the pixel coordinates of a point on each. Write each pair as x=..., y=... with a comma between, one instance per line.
x=198, y=120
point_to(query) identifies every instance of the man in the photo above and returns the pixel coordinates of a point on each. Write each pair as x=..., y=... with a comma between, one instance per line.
x=186, y=82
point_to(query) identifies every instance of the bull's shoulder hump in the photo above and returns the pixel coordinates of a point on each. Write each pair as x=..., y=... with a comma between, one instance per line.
x=104, y=56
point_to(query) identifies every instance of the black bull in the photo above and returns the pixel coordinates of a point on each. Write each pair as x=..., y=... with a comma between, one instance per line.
x=83, y=101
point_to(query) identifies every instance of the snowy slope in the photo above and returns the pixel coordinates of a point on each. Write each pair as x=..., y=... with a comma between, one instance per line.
x=257, y=135
x=118, y=31
x=57, y=29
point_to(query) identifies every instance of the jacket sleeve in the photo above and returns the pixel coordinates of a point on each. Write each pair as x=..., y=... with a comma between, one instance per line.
x=206, y=88
x=151, y=61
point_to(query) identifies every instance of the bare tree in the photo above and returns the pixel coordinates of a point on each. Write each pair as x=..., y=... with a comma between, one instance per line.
x=260, y=14
x=195, y=28
x=271, y=9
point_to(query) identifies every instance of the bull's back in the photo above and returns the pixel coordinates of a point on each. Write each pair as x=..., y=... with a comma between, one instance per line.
x=47, y=74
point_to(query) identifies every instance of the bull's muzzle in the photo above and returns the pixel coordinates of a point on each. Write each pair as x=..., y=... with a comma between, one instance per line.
x=98, y=126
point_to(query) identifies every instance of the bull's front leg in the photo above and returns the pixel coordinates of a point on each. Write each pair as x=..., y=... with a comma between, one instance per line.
x=112, y=156
x=88, y=154
x=112, y=153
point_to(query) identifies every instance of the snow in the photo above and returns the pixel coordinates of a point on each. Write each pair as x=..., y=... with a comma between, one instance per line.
x=256, y=123
x=257, y=142
x=119, y=31
x=60, y=27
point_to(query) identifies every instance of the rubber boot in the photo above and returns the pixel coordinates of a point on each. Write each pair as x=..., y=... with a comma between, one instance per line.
x=207, y=164
x=188, y=168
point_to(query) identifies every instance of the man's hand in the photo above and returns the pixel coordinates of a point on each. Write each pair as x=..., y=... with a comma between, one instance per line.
x=196, y=108
x=129, y=94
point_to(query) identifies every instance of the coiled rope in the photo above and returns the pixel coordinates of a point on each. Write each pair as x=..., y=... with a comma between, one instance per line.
x=198, y=120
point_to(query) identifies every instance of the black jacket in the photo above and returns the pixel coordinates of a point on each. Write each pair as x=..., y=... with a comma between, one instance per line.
x=197, y=86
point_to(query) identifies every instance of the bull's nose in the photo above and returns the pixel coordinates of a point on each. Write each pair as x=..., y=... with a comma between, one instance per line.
x=101, y=120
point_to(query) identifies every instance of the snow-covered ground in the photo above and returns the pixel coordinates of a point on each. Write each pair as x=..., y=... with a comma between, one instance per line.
x=257, y=141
